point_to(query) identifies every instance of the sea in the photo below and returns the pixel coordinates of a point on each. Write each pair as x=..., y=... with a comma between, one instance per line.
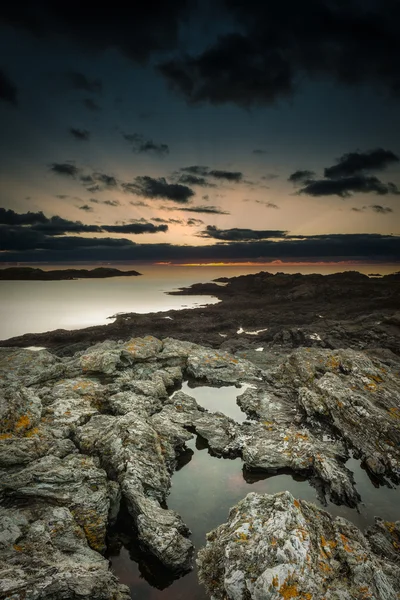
x=204, y=487
x=38, y=306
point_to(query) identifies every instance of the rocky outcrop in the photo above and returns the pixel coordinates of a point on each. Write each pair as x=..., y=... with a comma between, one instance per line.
x=81, y=433
x=276, y=547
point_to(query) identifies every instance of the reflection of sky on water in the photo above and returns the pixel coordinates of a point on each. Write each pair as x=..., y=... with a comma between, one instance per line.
x=205, y=488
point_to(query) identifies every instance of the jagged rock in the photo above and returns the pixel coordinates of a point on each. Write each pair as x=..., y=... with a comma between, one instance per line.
x=20, y=410
x=44, y=554
x=358, y=396
x=220, y=367
x=73, y=481
x=133, y=452
x=278, y=547
x=27, y=367
x=139, y=349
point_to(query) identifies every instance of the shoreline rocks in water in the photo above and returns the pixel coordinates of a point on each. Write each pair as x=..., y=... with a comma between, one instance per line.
x=34, y=274
x=277, y=547
x=83, y=432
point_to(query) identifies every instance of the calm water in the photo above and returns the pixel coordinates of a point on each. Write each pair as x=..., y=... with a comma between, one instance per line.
x=205, y=488
x=37, y=306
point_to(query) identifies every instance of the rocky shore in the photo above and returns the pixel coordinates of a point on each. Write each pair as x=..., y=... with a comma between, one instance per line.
x=345, y=310
x=84, y=434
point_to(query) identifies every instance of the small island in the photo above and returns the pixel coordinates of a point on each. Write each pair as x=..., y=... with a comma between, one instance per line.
x=32, y=274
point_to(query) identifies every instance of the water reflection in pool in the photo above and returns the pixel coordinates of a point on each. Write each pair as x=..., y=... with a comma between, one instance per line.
x=204, y=488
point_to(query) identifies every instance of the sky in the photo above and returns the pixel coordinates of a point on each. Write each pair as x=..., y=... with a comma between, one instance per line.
x=200, y=130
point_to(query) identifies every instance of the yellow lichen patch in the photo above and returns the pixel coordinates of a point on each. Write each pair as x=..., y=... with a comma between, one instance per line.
x=376, y=378
x=242, y=537
x=345, y=542
x=18, y=548
x=370, y=386
x=296, y=503
x=395, y=412
x=32, y=432
x=289, y=591
x=333, y=362
x=273, y=542
x=301, y=436
x=275, y=581
x=5, y=436
x=23, y=423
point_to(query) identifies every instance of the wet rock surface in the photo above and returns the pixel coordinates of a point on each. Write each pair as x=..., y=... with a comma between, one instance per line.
x=105, y=427
x=279, y=547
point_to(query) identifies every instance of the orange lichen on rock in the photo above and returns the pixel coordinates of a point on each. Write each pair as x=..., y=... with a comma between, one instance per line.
x=22, y=423
x=289, y=591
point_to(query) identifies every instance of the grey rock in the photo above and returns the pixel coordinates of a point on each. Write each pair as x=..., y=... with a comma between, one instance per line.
x=278, y=547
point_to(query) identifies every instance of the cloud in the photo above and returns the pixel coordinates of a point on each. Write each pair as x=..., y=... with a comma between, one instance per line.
x=8, y=90
x=79, y=81
x=237, y=234
x=104, y=179
x=355, y=163
x=66, y=169
x=189, y=179
x=139, y=203
x=141, y=145
x=260, y=151
x=148, y=187
x=378, y=208
x=112, y=202
x=345, y=42
x=383, y=210
x=86, y=208
x=23, y=246
x=263, y=202
x=10, y=217
x=301, y=176
x=135, y=228
x=137, y=30
x=58, y=226
x=91, y=104
x=210, y=210
x=82, y=135
x=194, y=222
x=270, y=176
x=347, y=186
x=198, y=170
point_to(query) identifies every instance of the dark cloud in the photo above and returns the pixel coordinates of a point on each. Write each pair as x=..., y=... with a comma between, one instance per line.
x=136, y=228
x=86, y=208
x=206, y=197
x=91, y=104
x=8, y=90
x=139, y=203
x=347, y=186
x=148, y=187
x=141, y=145
x=201, y=171
x=67, y=169
x=106, y=180
x=260, y=151
x=62, y=196
x=171, y=221
x=79, y=81
x=355, y=163
x=210, y=210
x=270, y=176
x=383, y=210
x=301, y=176
x=263, y=202
x=137, y=29
x=58, y=226
x=10, y=217
x=112, y=202
x=194, y=222
x=23, y=246
x=82, y=135
x=280, y=44
x=189, y=179
x=237, y=234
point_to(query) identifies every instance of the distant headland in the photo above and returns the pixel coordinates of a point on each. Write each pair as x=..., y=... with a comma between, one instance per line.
x=30, y=273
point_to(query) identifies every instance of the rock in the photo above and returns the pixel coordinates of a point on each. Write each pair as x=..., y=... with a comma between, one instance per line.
x=279, y=547
x=132, y=452
x=220, y=368
x=62, y=564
